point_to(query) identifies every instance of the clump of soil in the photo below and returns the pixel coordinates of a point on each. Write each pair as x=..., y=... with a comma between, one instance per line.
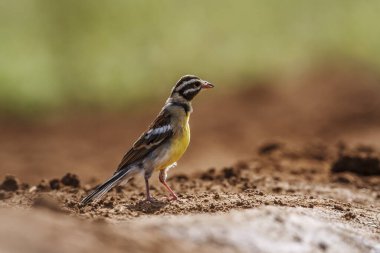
x=269, y=147
x=10, y=184
x=55, y=184
x=365, y=166
x=362, y=163
x=43, y=185
x=70, y=180
x=284, y=178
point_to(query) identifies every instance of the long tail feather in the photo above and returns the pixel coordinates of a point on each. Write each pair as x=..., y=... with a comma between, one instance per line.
x=101, y=190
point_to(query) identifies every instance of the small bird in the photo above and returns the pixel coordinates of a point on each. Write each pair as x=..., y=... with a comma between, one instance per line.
x=162, y=145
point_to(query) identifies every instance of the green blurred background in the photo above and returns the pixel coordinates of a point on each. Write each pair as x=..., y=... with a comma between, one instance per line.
x=114, y=54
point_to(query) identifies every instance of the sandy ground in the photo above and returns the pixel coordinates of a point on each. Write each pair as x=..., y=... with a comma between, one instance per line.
x=272, y=170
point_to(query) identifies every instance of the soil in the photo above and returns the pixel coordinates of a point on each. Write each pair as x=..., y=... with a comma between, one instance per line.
x=270, y=170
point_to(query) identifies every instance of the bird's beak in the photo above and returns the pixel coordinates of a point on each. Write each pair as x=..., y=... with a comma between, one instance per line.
x=206, y=85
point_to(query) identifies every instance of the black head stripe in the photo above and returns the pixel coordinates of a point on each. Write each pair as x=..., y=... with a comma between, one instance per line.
x=190, y=94
x=188, y=87
x=185, y=81
x=191, y=89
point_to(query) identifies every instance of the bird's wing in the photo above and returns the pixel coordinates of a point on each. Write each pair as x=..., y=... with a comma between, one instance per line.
x=159, y=131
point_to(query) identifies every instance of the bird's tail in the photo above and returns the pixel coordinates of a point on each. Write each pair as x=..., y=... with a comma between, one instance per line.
x=101, y=190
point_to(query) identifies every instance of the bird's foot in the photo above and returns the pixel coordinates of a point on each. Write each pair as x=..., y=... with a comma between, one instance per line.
x=172, y=197
x=150, y=199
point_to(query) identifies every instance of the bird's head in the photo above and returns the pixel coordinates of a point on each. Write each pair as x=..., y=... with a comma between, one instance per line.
x=189, y=86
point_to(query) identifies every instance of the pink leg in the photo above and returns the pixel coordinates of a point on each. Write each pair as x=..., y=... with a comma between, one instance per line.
x=162, y=178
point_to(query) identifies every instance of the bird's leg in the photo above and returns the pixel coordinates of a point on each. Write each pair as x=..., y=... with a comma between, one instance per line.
x=162, y=177
x=148, y=196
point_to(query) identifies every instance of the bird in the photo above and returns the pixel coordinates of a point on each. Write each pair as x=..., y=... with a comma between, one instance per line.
x=161, y=145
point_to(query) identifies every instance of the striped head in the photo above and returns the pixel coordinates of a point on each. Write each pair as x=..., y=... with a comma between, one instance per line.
x=189, y=86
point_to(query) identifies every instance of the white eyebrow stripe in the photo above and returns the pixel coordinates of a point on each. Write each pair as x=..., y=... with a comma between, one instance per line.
x=158, y=131
x=186, y=83
x=190, y=90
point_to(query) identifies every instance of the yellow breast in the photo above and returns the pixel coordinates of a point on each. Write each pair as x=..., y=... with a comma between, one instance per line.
x=178, y=147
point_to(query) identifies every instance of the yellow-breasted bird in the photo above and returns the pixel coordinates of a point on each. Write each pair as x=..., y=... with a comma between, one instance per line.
x=162, y=145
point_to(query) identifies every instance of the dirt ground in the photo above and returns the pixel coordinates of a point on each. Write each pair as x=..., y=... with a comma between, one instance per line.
x=270, y=169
